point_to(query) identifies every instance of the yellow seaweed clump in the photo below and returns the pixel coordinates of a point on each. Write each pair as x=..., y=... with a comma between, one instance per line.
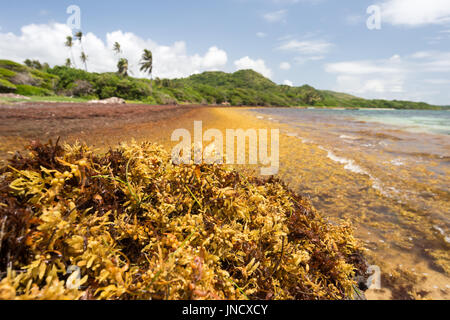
x=130, y=224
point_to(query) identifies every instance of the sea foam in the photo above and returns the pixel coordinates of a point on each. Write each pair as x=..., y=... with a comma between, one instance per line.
x=348, y=164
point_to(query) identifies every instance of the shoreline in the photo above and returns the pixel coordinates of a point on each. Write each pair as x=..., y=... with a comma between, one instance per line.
x=5, y=101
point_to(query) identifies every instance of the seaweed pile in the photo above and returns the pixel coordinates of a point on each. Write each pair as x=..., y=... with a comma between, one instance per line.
x=129, y=224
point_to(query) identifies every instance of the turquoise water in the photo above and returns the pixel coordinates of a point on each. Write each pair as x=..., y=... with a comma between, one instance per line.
x=431, y=121
x=411, y=120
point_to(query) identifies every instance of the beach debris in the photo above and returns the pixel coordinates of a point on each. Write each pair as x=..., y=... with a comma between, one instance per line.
x=130, y=224
x=13, y=96
x=113, y=100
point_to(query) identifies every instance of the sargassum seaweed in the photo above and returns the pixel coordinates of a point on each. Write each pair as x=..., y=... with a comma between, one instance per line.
x=130, y=224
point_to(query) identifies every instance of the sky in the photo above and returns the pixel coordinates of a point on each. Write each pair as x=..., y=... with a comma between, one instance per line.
x=384, y=49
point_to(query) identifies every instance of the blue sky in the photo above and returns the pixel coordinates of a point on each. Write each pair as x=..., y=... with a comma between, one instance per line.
x=324, y=43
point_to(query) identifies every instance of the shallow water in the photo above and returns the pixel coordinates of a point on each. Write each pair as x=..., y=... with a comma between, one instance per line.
x=396, y=188
x=431, y=121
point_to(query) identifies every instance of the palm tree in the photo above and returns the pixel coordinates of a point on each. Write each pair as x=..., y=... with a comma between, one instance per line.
x=84, y=59
x=68, y=63
x=79, y=36
x=69, y=44
x=122, y=67
x=117, y=49
x=147, y=64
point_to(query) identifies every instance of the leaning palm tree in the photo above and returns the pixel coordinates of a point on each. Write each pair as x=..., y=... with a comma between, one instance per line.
x=147, y=64
x=84, y=59
x=79, y=36
x=117, y=49
x=122, y=67
x=69, y=44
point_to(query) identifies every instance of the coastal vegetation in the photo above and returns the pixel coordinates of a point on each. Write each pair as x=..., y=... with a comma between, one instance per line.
x=242, y=88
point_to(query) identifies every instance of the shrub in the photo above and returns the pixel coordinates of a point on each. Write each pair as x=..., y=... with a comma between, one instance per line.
x=6, y=73
x=164, y=98
x=67, y=76
x=107, y=92
x=133, y=89
x=27, y=90
x=13, y=66
x=6, y=86
x=81, y=88
x=22, y=75
x=236, y=101
x=48, y=81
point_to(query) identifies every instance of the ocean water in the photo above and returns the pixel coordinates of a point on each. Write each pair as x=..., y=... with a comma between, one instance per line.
x=431, y=121
x=420, y=133
x=365, y=140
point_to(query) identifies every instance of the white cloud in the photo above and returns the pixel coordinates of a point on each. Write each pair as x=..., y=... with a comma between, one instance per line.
x=288, y=83
x=307, y=47
x=307, y=50
x=46, y=43
x=437, y=81
x=416, y=12
x=371, y=86
x=369, y=77
x=256, y=65
x=431, y=61
x=285, y=66
x=422, y=54
x=361, y=68
x=409, y=77
x=214, y=58
x=261, y=35
x=304, y=59
x=275, y=16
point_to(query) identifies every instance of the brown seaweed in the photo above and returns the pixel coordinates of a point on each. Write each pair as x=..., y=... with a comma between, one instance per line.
x=131, y=225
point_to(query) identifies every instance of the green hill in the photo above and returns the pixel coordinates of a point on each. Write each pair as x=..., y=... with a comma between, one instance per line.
x=242, y=88
x=23, y=80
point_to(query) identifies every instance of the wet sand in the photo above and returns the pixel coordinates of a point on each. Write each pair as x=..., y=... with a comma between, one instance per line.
x=396, y=237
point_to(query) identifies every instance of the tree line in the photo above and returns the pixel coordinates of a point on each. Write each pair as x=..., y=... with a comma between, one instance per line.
x=146, y=63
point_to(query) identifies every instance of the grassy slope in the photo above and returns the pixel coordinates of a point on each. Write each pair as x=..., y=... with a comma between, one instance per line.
x=244, y=87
